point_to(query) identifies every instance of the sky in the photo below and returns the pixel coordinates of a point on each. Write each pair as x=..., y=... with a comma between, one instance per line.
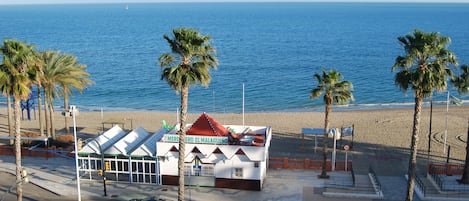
x=146, y=1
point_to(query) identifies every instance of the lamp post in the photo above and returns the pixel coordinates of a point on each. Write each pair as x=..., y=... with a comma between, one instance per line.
x=73, y=111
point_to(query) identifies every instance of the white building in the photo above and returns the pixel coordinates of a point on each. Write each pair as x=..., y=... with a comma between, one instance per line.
x=131, y=156
x=216, y=155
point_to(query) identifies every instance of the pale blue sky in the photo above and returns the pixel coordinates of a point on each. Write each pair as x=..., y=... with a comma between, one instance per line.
x=143, y=1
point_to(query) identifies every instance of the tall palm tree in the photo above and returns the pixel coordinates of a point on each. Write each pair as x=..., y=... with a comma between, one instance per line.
x=19, y=61
x=51, y=61
x=335, y=91
x=75, y=79
x=189, y=63
x=424, y=68
x=62, y=74
x=462, y=85
x=6, y=91
x=37, y=79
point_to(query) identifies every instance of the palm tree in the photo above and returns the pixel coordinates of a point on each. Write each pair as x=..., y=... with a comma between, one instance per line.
x=19, y=62
x=62, y=74
x=76, y=78
x=335, y=91
x=424, y=68
x=195, y=56
x=6, y=91
x=462, y=84
x=51, y=61
x=37, y=79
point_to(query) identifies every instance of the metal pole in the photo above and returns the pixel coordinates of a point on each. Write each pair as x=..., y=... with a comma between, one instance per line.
x=103, y=168
x=430, y=132
x=213, y=101
x=243, y=104
x=334, y=150
x=447, y=156
x=73, y=110
x=346, y=161
x=446, y=127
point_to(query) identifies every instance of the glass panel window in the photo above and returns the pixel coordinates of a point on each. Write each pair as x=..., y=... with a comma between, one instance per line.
x=256, y=164
x=113, y=165
x=187, y=170
x=238, y=172
x=207, y=171
x=119, y=165
x=196, y=171
x=153, y=167
x=126, y=166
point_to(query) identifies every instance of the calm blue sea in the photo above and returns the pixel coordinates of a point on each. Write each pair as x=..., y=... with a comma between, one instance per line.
x=274, y=48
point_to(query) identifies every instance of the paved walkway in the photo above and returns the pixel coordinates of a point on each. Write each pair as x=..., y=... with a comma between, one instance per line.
x=57, y=175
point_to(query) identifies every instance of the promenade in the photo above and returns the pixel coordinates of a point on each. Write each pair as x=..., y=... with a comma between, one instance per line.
x=55, y=177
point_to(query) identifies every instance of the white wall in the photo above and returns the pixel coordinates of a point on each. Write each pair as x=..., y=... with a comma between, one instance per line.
x=169, y=166
x=226, y=169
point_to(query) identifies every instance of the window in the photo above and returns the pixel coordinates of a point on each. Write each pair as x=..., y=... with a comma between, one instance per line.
x=207, y=171
x=238, y=172
x=187, y=169
x=256, y=164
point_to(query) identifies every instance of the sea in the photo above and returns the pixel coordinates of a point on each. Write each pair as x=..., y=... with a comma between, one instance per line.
x=268, y=52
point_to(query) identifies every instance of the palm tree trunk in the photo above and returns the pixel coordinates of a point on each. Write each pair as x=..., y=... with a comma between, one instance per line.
x=51, y=116
x=19, y=188
x=46, y=114
x=413, y=147
x=67, y=128
x=182, y=140
x=39, y=108
x=10, y=119
x=465, y=176
x=324, y=148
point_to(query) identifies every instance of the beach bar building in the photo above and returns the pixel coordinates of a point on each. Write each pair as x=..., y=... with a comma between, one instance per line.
x=222, y=156
x=131, y=156
x=216, y=155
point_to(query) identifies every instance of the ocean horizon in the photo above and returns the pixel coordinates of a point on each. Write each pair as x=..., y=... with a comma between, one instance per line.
x=273, y=48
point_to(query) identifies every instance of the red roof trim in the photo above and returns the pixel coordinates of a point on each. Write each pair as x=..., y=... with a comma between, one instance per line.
x=207, y=126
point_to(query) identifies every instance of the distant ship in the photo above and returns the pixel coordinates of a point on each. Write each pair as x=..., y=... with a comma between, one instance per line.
x=126, y=7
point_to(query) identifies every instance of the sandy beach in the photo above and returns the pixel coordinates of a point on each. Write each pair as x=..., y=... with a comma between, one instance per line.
x=385, y=130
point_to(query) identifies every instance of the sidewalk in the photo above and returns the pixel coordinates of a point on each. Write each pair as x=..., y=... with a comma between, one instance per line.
x=57, y=175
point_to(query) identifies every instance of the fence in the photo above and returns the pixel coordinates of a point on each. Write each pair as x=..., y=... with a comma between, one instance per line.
x=51, y=152
x=306, y=164
x=445, y=168
x=438, y=173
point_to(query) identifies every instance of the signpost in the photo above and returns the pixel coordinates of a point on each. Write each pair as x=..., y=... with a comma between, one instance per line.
x=346, y=148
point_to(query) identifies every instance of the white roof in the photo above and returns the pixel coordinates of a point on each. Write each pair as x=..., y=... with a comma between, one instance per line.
x=106, y=140
x=128, y=142
x=148, y=147
x=140, y=143
x=254, y=153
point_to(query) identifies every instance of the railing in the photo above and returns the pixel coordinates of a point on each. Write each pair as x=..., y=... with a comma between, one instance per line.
x=446, y=168
x=444, y=188
x=306, y=164
x=374, y=178
x=420, y=184
x=436, y=177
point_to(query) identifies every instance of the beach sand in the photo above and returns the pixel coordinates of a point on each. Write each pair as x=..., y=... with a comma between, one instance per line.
x=381, y=134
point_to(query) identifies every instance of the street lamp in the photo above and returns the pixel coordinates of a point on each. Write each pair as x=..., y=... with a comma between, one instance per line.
x=73, y=111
